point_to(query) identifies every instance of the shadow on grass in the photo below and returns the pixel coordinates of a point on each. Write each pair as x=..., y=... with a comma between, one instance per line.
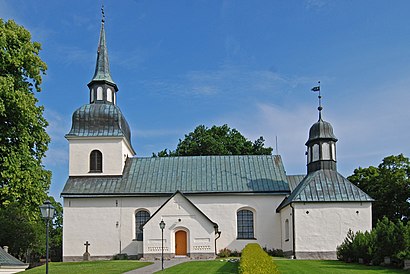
x=229, y=267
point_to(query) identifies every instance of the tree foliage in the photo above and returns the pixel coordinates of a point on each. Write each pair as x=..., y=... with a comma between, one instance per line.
x=217, y=140
x=389, y=185
x=23, y=138
x=24, y=182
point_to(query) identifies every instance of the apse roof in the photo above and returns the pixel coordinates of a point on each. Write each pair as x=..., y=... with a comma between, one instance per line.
x=195, y=174
x=325, y=186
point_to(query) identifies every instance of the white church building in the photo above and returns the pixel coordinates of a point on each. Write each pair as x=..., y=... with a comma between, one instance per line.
x=115, y=201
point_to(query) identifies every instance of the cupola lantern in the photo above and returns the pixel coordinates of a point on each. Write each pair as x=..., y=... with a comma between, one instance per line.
x=321, y=145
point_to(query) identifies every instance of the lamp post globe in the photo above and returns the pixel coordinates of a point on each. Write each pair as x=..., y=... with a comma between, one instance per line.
x=47, y=212
x=162, y=226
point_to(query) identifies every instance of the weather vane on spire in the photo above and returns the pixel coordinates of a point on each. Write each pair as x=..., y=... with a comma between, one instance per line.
x=102, y=12
x=317, y=88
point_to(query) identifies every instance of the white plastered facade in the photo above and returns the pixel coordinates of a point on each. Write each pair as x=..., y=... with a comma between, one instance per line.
x=108, y=224
x=320, y=227
x=115, y=151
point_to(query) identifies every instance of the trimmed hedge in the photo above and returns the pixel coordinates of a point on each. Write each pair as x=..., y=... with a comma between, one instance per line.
x=256, y=261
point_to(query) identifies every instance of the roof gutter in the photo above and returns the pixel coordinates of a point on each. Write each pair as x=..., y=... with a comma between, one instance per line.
x=219, y=235
x=293, y=232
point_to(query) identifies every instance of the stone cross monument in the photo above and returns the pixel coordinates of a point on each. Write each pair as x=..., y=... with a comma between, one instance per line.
x=86, y=255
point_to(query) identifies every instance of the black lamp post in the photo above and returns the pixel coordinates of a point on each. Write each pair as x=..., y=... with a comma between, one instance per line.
x=47, y=212
x=162, y=226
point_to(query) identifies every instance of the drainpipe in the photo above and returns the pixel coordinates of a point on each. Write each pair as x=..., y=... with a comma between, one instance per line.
x=293, y=232
x=219, y=235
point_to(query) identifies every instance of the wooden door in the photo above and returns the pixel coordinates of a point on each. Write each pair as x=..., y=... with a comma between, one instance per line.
x=180, y=243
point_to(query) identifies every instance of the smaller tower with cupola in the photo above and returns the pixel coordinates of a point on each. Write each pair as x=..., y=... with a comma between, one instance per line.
x=100, y=137
x=321, y=145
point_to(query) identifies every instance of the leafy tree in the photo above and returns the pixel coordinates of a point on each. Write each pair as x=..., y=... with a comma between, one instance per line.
x=23, y=140
x=217, y=140
x=23, y=234
x=389, y=185
x=56, y=232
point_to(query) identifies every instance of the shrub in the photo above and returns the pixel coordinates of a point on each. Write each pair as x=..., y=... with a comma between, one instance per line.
x=224, y=253
x=274, y=252
x=345, y=250
x=387, y=239
x=120, y=256
x=256, y=261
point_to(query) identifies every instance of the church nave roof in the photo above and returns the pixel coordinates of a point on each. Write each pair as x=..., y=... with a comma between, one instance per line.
x=196, y=174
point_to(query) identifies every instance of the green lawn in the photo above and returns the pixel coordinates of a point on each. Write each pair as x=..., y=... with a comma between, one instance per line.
x=316, y=266
x=211, y=267
x=206, y=267
x=284, y=266
x=103, y=267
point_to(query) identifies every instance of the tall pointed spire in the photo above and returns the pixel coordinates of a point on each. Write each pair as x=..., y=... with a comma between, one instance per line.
x=102, y=67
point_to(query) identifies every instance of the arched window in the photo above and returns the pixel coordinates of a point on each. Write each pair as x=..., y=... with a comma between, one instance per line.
x=326, y=151
x=287, y=230
x=245, y=224
x=109, y=95
x=141, y=217
x=99, y=93
x=95, y=161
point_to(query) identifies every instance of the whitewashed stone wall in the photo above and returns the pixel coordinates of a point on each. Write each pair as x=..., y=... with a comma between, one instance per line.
x=321, y=227
x=109, y=224
x=115, y=151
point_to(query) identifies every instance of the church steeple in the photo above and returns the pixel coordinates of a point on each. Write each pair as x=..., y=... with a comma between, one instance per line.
x=102, y=88
x=321, y=145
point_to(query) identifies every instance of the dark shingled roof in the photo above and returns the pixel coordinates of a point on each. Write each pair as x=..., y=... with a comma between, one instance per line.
x=196, y=174
x=7, y=259
x=325, y=186
x=99, y=120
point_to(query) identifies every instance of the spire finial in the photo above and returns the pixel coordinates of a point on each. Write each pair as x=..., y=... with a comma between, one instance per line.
x=102, y=13
x=317, y=88
x=102, y=68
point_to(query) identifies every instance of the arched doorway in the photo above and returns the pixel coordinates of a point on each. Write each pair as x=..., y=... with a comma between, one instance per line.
x=180, y=243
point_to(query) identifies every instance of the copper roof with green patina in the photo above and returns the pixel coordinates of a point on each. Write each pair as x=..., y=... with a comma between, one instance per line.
x=99, y=120
x=326, y=186
x=102, y=67
x=7, y=259
x=196, y=174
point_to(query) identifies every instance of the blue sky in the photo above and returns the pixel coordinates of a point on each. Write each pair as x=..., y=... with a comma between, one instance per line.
x=248, y=64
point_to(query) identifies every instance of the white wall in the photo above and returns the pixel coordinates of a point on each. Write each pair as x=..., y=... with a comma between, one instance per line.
x=287, y=244
x=321, y=227
x=95, y=220
x=114, y=150
x=179, y=214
